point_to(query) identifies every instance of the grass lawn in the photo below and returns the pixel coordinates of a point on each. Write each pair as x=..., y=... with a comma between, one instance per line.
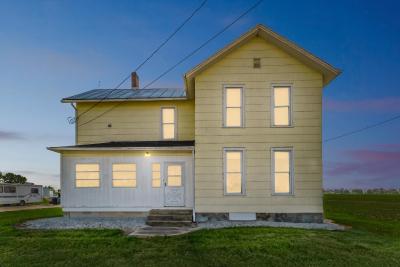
x=373, y=241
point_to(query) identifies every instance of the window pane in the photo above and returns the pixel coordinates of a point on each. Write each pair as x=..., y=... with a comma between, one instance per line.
x=233, y=117
x=282, y=182
x=124, y=167
x=281, y=96
x=155, y=167
x=233, y=161
x=233, y=183
x=168, y=115
x=174, y=181
x=281, y=116
x=87, y=167
x=124, y=183
x=233, y=97
x=87, y=183
x=124, y=175
x=174, y=170
x=1, y=189
x=156, y=183
x=282, y=161
x=168, y=131
x=87, y=175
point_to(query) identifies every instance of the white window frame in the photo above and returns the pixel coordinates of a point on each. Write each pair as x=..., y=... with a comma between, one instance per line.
x=224, y=107
x=175, y=123
x=243, y=170
x=152, y=178
x=87, y=187
x=112, y=175
x=291, y=170
x=279, y=85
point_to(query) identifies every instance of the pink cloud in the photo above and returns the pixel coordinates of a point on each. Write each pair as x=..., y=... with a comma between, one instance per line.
x=389, y=104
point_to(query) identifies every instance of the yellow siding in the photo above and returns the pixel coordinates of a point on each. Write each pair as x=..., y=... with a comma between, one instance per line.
x=258, y=137
x=132, y=121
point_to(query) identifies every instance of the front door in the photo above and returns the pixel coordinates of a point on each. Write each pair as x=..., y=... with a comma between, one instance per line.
x=174, y=190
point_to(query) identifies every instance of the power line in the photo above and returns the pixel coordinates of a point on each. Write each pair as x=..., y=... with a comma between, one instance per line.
x=362, y=129
x=181, y=61
x=147, y=59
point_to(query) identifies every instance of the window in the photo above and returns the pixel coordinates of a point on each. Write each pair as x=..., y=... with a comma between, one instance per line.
x=87, y=175
x=1, y=189
x=233, y=171
x=34, y=190
x=10, y=189
x=174, y=175
x=282, y=173
x=281, y=109
x=233, y=105
x=256, y=63
x=124, y=175
x=168, y=123
x=156, y=175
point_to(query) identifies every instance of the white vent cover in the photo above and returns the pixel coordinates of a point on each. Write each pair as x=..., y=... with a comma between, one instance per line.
x=242, y=216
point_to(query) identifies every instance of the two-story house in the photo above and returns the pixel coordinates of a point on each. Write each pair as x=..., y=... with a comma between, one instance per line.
x=242, y=140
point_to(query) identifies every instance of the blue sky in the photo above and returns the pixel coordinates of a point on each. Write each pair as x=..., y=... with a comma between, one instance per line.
x=53, y=49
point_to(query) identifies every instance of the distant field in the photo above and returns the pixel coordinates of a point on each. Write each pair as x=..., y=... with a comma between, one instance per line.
x=373, y=241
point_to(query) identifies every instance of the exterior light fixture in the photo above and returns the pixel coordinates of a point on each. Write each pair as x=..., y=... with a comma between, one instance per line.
x=147, y=154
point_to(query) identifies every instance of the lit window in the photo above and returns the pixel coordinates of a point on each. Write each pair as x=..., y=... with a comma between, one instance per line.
x=174, y=175
x=156, y=175
x=281, y=106
x=282, y=171
x=87, y=175
x=233, y=107
x=124, y=175
x=168, y=119
x=233, y=171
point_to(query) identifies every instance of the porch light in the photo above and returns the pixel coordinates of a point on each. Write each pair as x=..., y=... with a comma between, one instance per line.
x=147, y=154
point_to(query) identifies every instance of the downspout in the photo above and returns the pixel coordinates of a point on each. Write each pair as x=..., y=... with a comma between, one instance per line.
x=194, y=186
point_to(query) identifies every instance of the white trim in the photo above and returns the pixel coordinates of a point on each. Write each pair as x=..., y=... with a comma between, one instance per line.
x=60, y=149
x=242, y=107
x=243, y=169
x=272, y=104
x=291, y=170
x=175, y=123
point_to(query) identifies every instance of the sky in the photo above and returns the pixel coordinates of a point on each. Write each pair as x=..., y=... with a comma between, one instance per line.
x=53, y=49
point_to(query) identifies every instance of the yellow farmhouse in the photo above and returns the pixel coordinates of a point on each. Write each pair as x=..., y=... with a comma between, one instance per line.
x=241, y=141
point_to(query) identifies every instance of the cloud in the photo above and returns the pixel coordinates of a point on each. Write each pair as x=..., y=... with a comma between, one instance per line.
x=365, y=168
x=9, y=135
x=39, y=177
x=389, y=104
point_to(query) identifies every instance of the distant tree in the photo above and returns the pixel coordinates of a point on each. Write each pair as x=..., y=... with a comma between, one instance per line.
x=12, y=178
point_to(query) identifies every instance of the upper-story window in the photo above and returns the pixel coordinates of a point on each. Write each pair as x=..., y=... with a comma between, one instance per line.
x=168, y=123
x=281, y=106
x=233, y=106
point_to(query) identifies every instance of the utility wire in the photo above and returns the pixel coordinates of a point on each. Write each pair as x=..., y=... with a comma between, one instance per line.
x=181, y=61
x=146, y=60
x=362, y=129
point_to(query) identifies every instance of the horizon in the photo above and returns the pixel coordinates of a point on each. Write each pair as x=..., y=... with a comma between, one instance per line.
x=56, y=49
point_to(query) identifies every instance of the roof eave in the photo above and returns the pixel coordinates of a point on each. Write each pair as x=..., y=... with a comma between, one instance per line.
x=175, y=148
x=66, y=100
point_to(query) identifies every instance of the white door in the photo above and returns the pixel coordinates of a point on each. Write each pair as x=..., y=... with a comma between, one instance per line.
x=174, y=189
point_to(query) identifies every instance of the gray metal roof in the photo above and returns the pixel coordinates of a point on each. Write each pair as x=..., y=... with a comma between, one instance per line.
x=128, y=94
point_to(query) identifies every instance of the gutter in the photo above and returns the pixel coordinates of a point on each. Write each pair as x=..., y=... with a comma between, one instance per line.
x=61, y=149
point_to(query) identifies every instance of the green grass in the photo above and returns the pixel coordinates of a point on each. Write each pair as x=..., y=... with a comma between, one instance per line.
x=373, y=241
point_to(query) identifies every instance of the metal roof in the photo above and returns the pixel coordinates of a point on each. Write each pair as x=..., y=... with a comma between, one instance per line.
x=128, y=94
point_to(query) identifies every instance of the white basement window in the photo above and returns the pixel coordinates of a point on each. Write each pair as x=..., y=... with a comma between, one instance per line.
x=156, y=175
x=282, y=171
x=281, y=109
x=233, y=171
x=168, y=123
x=124, y=175
x=87, y=175
x=233, y=107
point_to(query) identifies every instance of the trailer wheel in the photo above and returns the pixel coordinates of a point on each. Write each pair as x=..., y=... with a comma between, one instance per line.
x=22, y=203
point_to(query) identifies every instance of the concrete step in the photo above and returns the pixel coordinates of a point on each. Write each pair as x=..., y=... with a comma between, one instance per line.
x=171, y=212
x=170, y=223
x=170, y=217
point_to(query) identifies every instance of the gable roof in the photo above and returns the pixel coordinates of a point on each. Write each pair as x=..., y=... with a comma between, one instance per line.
x=328, y=71
x=127, y=95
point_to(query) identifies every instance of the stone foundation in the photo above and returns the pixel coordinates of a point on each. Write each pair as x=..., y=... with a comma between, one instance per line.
x=108, y=214
x=273, y=217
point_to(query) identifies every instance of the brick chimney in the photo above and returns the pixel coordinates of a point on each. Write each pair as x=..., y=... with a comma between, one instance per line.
x=134, y=80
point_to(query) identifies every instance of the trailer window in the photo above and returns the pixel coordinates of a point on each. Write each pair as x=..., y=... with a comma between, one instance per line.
x=1, y=189
x=10, y=189
x=35, y=190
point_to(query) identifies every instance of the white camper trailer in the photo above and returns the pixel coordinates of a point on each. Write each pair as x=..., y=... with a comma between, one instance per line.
x=20, y=193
